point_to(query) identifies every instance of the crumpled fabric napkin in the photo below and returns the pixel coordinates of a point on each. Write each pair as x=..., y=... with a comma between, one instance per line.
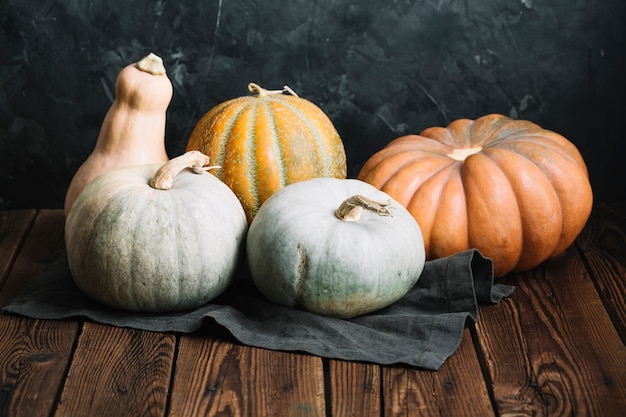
x=422, y=329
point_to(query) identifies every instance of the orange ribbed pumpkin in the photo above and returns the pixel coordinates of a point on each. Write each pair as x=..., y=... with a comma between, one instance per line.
x=518, y=193
x=266, y=141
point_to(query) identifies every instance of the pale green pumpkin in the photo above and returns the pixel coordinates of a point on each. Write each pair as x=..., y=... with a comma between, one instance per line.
x=135, y=242
x=318, y=245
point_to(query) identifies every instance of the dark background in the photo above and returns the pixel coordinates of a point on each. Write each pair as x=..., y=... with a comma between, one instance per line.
x=379, y=69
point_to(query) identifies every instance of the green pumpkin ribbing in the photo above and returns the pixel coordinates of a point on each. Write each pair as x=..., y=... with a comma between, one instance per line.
x=223, y=138
x=324, y=161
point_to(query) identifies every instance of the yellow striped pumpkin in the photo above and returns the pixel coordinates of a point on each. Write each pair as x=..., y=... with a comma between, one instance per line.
x=267, y=140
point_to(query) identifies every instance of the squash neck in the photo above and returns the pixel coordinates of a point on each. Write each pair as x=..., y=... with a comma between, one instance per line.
x=137, y=134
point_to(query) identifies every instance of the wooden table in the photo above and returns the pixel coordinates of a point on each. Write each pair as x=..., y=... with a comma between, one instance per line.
x=555, y=347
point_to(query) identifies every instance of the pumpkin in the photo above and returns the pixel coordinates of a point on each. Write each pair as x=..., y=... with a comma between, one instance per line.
x=334, y=247
x=133, y=130
x=518, y=193
x=266, y=141
x=154, y=237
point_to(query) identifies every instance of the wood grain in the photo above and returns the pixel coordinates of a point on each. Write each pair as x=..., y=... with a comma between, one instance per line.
x=354, y=389
x=33, y=359
x=43, y=241
x=13, y=228
x=118, y=372
x=603, y=247
x=34, y=354
x=551, y=348
x=456, y=389
x=221, y=378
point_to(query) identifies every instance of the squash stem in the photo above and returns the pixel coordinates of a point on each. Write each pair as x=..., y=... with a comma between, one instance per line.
x=351, y=208
x=152, y=64
x=262, y=92
x=460, y=154
x=194, y=160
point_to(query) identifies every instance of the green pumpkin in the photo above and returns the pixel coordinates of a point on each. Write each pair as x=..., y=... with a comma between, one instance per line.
x=137, y=243
x=334, y=247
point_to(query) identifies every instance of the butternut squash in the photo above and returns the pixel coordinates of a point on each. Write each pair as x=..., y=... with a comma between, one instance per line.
x=133, y=130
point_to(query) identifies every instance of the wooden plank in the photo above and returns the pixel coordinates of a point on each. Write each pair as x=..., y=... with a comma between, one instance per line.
x=218, y=377
x=603, y=246
x=13, y=227
x=354, y=389
x=33, y=360
x=551, y=348
x=118, y=372
x=44, y=240
x=456, y=389
x=34, y=354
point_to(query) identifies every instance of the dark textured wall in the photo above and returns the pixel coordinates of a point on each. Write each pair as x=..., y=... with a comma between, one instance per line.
x=379, y=69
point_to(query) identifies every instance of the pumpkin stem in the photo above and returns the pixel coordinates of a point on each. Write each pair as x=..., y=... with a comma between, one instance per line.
x=194, y=160
x=262, y=92
x=152, y=64
x=352, y=207
x=460, y=154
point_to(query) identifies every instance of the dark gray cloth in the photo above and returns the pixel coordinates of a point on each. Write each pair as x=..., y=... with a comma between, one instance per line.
x=422, y=329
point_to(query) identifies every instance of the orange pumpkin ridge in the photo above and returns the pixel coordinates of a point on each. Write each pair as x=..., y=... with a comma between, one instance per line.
x=541, y=228
x=268, y=146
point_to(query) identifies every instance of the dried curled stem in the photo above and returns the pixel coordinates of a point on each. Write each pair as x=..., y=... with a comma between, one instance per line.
x=262, y=92
x=351, y=208
x=194, y=160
